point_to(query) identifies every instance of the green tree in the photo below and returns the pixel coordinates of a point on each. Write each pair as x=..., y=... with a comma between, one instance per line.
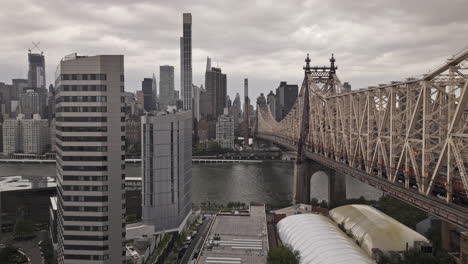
x=283, y=255
x=10, y=255
x=24, y=228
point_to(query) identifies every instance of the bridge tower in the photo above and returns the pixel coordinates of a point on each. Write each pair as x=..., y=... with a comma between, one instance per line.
x=304, y=168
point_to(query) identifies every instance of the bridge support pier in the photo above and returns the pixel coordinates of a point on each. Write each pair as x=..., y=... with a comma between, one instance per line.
x=303, y=171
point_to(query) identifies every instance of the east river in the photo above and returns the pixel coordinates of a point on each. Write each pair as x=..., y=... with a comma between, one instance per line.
x=266, y=182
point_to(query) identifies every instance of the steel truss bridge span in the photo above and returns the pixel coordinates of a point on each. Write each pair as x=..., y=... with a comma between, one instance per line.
x=408, y=139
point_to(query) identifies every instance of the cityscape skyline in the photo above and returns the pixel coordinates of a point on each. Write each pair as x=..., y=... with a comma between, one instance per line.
x=245, y=48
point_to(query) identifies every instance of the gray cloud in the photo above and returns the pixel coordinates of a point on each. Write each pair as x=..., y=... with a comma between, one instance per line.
x=374, y=41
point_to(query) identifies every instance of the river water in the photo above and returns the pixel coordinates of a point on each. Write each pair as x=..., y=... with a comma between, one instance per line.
x=267, y=182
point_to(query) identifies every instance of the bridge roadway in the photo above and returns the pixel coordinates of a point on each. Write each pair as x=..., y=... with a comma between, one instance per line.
x=452, y=213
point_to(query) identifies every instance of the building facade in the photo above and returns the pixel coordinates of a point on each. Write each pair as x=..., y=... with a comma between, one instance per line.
x=90, y=159
x=166, y=86
x=149, y=103
x=225, y=131
x=29, y=136
x=216, y=91
x=36, y=72
x=286, y=95
x=186, y=62
x=167, y=170
x=271, y=101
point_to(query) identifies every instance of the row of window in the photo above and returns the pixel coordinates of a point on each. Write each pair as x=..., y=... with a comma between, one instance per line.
x=85, y=228
x=79, y=77
x=82, y=139
x=84, y=168
x=81, y=109
x=82, y=148
x=82, y=119
x=82, y=129
x=86, y=247
x=85, y=178
x=86, y=218
x=84, y=158
x=85, y=208
x=71, y=198
x=86, y=257
x=80, y=99
x=86, y=238
x=84, y=188
x=83, y=88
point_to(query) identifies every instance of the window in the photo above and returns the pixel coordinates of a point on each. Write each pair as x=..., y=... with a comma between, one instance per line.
x=122, y=78
x=74, y=77
x=65, y=77
x=92, y=76
x=84, y=76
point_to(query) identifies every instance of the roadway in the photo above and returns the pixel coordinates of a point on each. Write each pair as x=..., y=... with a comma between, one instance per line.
x=197, y=243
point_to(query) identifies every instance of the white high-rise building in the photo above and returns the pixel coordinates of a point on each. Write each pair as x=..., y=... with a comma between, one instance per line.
x=90, y=159
x=167, y=170
x=225, y=130
x=30, y=136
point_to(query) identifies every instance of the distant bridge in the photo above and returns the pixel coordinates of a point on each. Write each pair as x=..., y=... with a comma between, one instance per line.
x=408, y=139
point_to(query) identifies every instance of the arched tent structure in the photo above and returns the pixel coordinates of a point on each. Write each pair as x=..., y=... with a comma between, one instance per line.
x=319, y=240
x=374, y=229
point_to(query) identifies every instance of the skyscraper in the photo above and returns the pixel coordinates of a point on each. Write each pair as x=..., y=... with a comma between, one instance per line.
x=166, y=86
x=216, y=91
x=186, y=62
x=167, y=170
x=36, y=72
x=286, y=95
x=246, y=112
x=149, y=103
x=236, y=110
x=155, y=93
x=90, y=159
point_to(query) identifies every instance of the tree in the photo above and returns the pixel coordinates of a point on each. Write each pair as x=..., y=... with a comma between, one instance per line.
x=283, y=255
x=24, y=229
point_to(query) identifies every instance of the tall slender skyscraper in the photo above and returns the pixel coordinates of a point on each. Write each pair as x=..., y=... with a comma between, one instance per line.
x=186, y=62
x=155, y=93
x=149, y=103
x=246, y=111
x=90, y=159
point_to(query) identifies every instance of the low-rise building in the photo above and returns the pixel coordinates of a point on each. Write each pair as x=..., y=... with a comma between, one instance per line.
x=237, y=237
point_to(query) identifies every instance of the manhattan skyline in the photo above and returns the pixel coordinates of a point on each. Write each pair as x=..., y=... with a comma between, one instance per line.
x=264, y=41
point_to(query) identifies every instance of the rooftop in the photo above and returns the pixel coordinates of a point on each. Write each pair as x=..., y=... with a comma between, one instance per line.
x=242, y=238
x=14, y=183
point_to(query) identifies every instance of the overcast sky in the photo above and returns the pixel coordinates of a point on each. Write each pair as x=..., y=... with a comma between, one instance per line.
x=266, y=41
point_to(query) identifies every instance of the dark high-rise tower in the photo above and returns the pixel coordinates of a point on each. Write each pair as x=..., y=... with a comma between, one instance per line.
x=215, y=84
x=186, y=62
x=36, y=72
x=149, y=99
x=246, y=111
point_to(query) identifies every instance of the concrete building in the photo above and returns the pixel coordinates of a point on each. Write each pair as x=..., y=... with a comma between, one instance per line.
x=196, y=101
x=19, y=85
x=33, y=102
x=225, y=130
x=237, y=237
x=346, y=87
x=167, y=170
x=166, y=86
x=29, y=136
x=36, y=72
x=236, y=110
x=7, y=94
x=133, y=136
x=149, y=103
x=286, y=95
x=90, y=159
x=271, y=101
x=186, y=62
x=216, y=91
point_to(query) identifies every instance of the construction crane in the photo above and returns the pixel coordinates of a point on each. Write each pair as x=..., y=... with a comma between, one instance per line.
x=36, y=46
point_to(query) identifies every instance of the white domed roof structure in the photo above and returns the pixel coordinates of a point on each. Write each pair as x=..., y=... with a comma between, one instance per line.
x=374, y=229
x=319, y=240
